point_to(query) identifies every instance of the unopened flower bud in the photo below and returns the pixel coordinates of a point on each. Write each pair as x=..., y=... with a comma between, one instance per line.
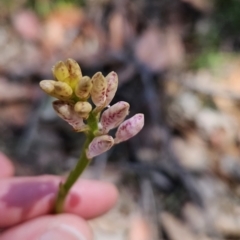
x=62, y=89
x=67, y=113
x=83, y=109
x=112, y=84
x=47, y=86
x=114, y=115
x=83, y=88
x=75, y=73
x=129, y=128
x=60, y=71
x=99, y=145
x=98, y=92
x=56, y=89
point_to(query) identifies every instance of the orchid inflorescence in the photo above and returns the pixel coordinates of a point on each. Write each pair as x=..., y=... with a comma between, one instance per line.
x=83, y=102
x=78, y=93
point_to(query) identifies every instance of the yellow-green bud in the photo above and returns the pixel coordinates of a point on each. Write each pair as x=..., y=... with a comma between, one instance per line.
x=83, y=109
x=75, y=73
x=60, y=71
x=99, y=88
x=47, y=86
x=83, y=88
x=60, y=90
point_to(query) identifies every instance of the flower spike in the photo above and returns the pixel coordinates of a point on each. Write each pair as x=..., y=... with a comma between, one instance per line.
x=74, y=105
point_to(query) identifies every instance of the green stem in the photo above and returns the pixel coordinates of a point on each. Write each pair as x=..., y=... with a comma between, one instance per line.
x=79, y=168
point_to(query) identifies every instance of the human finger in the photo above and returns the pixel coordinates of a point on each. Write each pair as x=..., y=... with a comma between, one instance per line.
x=23, y=198
x=6, y=167
x=58, y=227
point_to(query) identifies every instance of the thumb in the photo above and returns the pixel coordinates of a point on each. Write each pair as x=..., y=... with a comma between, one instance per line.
x=59, y=227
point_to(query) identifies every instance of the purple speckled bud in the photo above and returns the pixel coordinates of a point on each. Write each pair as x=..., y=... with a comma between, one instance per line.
x=99, y=88
x=112, y=85
x=67, y=113
x=129, y=128
x=99, y=145
x=114, y=115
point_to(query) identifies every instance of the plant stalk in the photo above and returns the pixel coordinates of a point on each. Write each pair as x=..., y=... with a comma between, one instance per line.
x=79, y=168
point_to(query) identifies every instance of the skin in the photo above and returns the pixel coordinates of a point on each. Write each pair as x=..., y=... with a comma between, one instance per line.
x=26, y=204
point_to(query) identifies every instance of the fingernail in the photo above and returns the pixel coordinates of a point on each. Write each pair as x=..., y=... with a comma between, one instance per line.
x=62, y=232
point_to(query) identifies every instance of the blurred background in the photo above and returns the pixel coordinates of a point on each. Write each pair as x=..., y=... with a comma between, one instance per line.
x=178, y=63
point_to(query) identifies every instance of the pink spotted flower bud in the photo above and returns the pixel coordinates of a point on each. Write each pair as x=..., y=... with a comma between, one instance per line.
x=99, y=145
x=99, y=88
x=112, y=85
x=67, y=113
x=129, y=128
x=113, y=116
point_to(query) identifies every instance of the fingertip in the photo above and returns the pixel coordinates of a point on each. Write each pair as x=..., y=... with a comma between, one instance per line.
x=113, y=193
x=59, y=227
x=90, y=198
x=23, y=198
x=6, y=167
